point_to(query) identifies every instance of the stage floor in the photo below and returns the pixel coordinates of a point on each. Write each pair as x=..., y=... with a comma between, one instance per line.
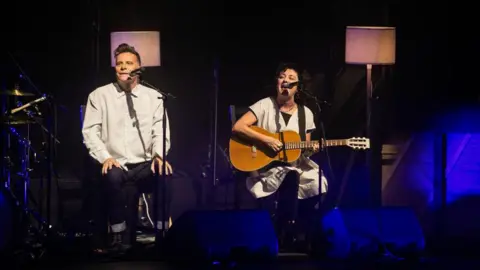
x=145, y=257
x=285, y=261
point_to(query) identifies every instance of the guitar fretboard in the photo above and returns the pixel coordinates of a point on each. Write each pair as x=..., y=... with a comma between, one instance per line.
x=311, y=144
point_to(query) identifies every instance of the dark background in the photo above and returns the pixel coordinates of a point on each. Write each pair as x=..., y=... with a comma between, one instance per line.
x=64, y=48
x=65, y=51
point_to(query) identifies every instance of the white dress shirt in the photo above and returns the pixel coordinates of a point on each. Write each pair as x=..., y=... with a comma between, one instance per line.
x=112, y=130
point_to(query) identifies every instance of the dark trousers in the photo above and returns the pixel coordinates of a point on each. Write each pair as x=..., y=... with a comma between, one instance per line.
x=285, y=206
x=140, y=177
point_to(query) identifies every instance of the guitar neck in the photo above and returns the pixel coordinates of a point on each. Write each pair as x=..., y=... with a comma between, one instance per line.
x=311, y=144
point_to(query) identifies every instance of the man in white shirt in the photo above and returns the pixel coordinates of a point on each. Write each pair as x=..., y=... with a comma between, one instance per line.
x=122, y=130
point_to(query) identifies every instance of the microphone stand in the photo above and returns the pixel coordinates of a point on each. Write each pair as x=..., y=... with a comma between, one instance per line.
x=50, y=157
x=163, y=177
x=322, y=134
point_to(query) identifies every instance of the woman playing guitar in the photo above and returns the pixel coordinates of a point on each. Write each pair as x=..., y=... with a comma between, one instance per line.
x=289, y=191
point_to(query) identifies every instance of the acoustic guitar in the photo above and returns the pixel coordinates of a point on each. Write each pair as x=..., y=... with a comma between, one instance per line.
x=247, y=155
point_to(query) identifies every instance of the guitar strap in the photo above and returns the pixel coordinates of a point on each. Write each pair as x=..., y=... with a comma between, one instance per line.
x=301, y=122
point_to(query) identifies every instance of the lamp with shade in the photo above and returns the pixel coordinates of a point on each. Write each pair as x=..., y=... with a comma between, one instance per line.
x=371, y=45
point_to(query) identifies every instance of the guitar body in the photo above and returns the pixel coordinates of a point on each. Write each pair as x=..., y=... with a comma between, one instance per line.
x=247, y=155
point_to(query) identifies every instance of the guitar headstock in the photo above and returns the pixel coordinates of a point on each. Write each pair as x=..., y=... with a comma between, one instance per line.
x=358, y=143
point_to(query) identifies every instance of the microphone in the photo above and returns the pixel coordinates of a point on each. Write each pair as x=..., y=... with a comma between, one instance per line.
x=137, y=72
x=289, y=85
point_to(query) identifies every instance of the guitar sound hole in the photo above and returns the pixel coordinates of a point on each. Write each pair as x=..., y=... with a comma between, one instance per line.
x=270, y=152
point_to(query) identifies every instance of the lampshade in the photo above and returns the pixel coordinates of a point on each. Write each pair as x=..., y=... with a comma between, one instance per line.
x=370, y=45
x=146, y=43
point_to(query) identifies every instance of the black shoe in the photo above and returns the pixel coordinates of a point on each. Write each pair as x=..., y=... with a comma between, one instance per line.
x=287, y=237
x=302, y=243
x=118, y=247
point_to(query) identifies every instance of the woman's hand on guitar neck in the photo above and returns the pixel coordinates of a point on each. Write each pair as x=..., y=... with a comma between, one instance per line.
x=273, y=143
x=316, y=147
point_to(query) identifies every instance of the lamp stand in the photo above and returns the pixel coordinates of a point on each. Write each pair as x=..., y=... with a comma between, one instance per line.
x=375, y=187
x=369, y=98
x=375, y=182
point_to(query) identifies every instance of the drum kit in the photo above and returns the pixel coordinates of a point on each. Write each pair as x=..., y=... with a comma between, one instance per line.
x=20, y=120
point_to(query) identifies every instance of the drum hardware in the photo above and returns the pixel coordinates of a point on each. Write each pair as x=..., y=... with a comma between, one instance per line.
x=31, y=238
x=24, y=153
x=23, y=229
x=21, y=201
x=30, y=229
x=24, y=107
x=12, y=120
x=15, y=92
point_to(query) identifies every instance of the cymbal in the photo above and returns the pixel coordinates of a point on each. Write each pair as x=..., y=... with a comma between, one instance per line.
x=15, y=92
x=17, y=120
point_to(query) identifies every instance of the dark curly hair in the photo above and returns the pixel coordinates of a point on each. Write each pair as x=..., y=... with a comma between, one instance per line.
x=282, y=67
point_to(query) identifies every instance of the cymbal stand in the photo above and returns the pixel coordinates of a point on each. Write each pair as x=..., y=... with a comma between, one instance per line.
x=6, y=160
x=25, y=158
x=51, y=128
x=29, y=234
x=5, y=143
x=24, y=150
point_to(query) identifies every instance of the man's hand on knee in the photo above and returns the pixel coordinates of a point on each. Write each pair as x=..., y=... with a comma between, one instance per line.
x=159, y=162
x=108, y=164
